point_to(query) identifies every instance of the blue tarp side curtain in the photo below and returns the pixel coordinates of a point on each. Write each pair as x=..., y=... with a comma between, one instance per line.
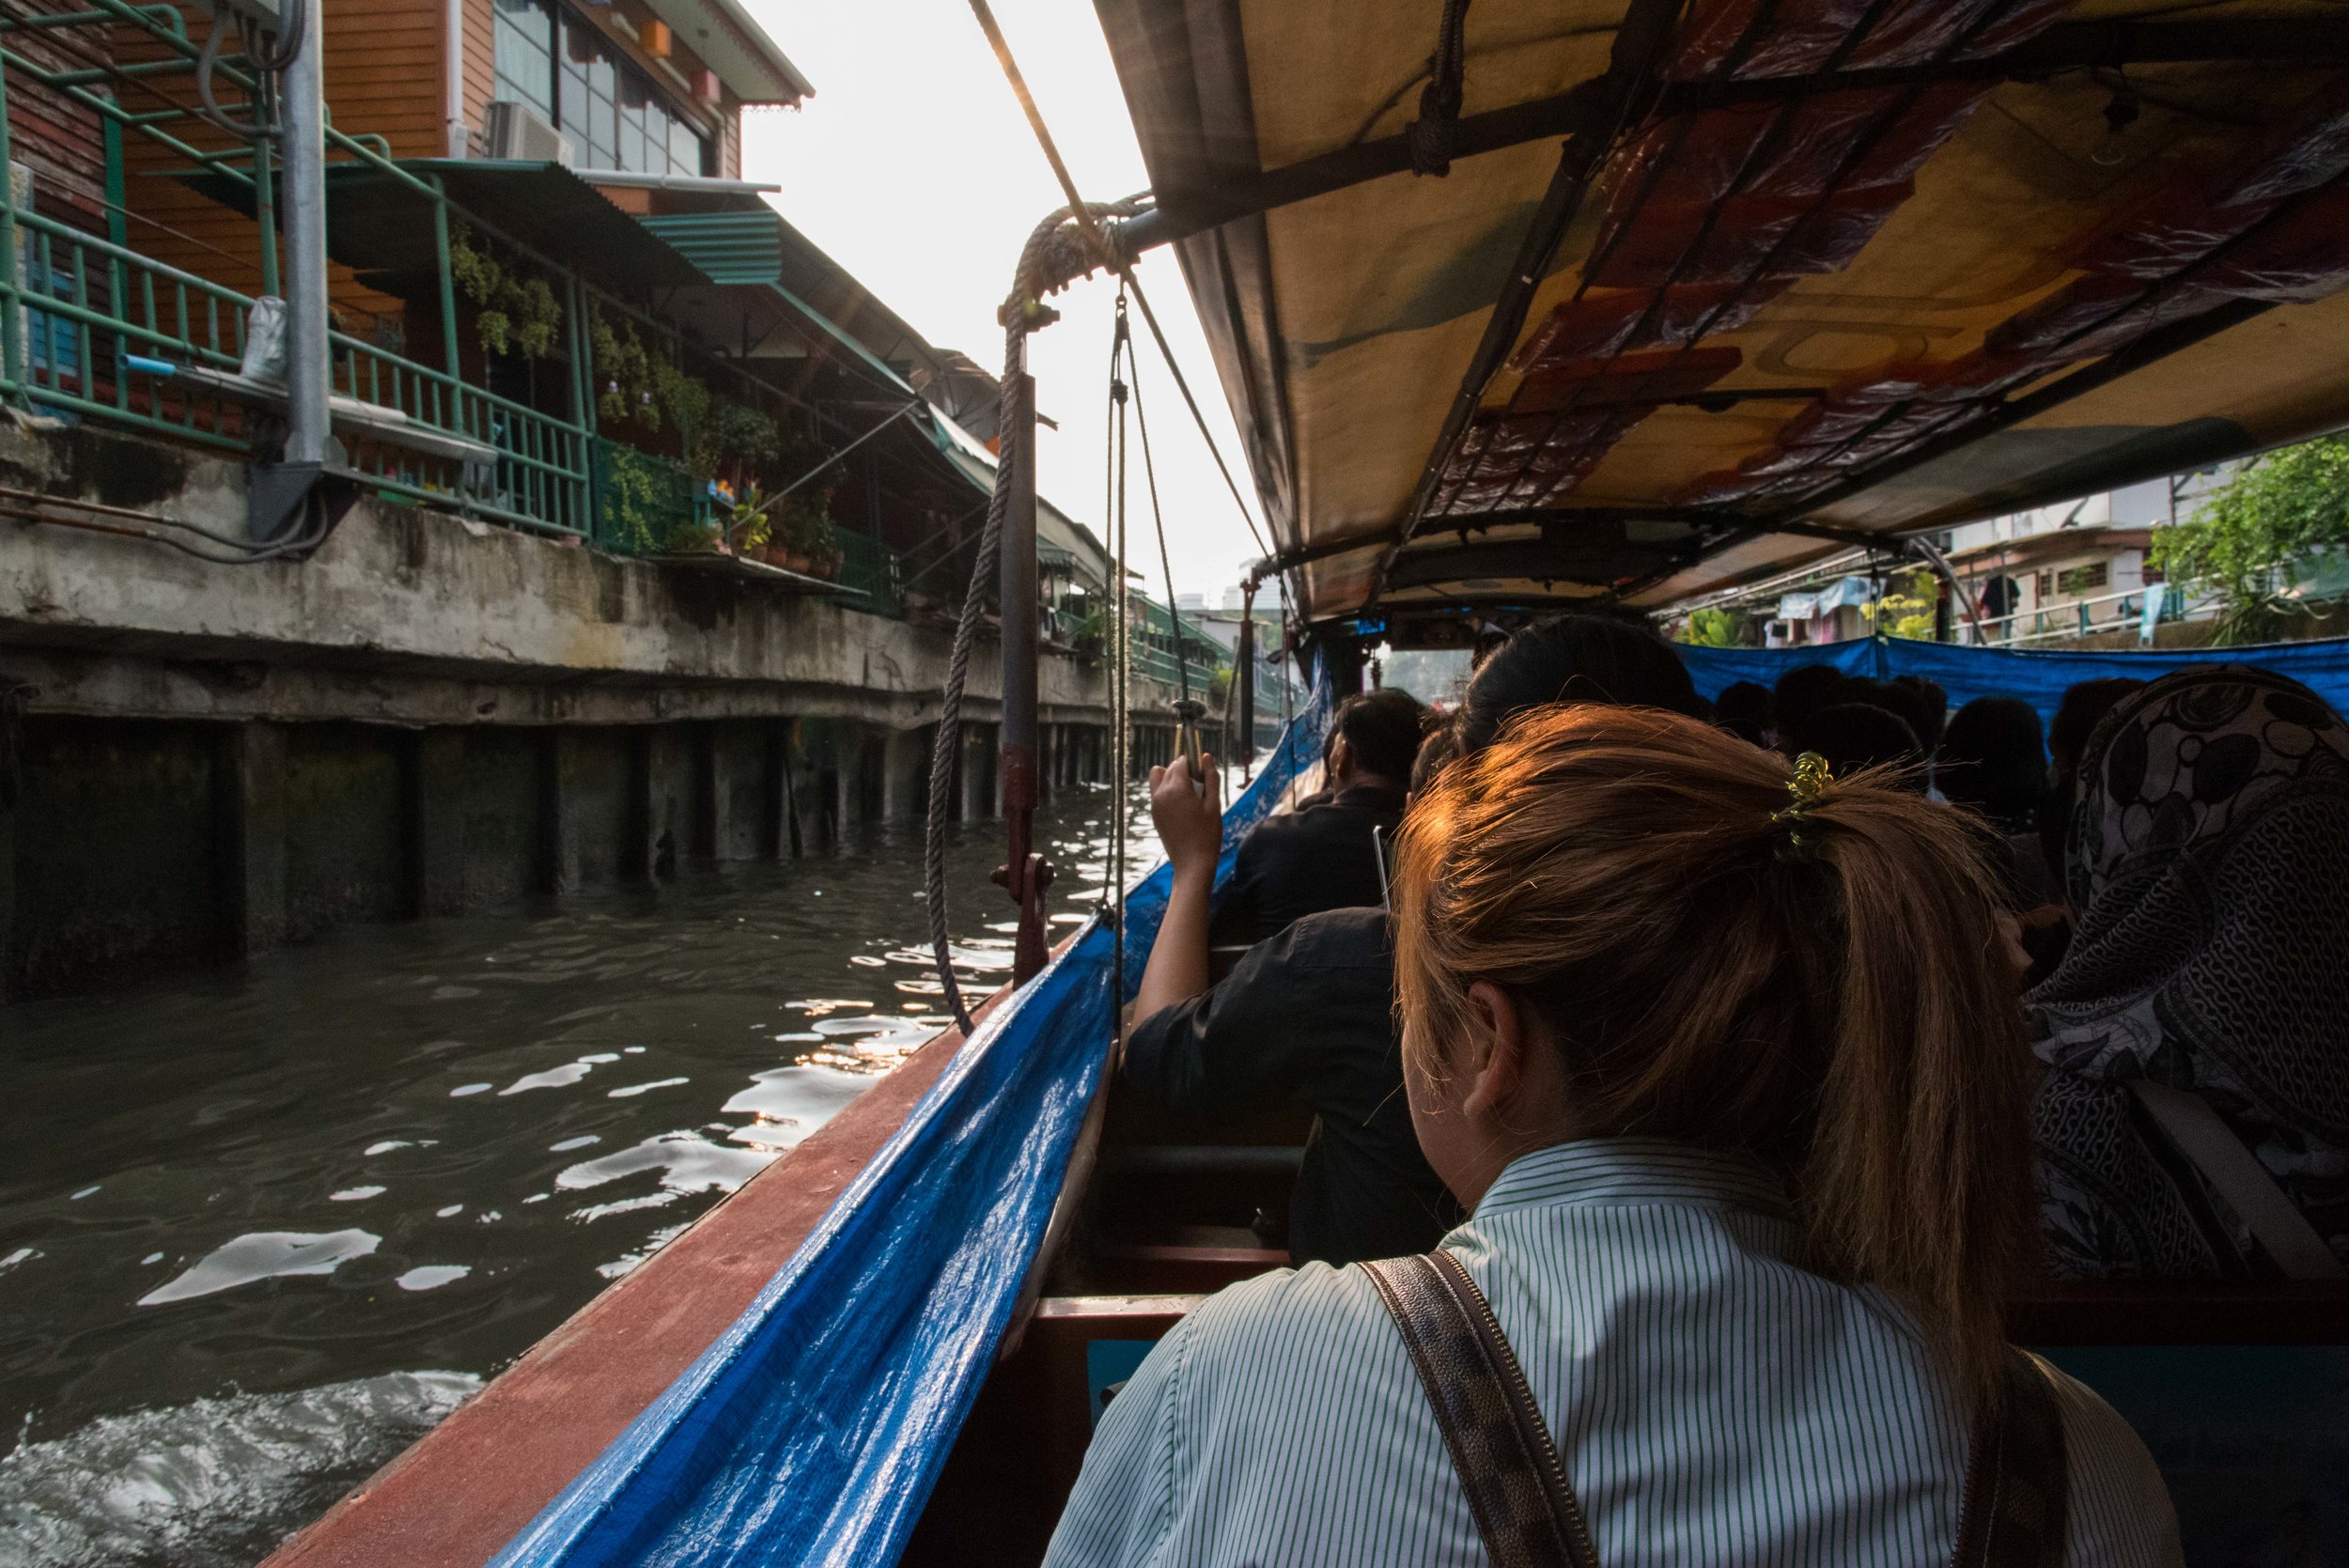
x=2040, y=678
x=812, y=1430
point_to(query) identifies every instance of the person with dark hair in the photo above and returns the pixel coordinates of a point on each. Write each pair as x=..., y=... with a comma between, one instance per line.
x=1305, y=1019
x=1743, y=709
x=1327, y=858
x=2194, y=1118
x=1576, y=659
x=1856, y=735
x=1991, y=761
x=1709, y=1044
x=1308, y=1018
x=1804, y=690
x=1921, y=703
x=2083, y=708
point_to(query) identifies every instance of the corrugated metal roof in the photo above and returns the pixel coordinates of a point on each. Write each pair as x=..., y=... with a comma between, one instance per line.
x=727, y=247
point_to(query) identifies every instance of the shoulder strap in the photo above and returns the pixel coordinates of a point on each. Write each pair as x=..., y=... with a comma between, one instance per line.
x=2282, y=1230
x=1516, y=1489
x=2017, y=1500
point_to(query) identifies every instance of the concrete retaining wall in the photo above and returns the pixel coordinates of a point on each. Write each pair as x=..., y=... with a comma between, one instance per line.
x=199, y=761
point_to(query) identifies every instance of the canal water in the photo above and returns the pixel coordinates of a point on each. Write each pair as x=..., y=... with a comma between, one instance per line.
x=259, y=1230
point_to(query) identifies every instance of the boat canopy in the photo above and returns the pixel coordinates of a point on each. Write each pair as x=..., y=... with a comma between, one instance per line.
x=1686, y=292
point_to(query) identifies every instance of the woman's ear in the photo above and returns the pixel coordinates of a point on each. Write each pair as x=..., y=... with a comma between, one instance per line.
x=1494, y=1061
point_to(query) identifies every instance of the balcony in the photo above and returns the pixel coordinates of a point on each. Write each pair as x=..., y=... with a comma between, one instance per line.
x=577, y=382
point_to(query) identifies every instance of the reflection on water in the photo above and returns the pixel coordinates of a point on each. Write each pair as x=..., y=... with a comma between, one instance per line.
x=259, y=1230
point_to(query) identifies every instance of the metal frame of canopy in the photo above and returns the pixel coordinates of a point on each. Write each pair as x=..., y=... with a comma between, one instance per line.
x=1249, y=183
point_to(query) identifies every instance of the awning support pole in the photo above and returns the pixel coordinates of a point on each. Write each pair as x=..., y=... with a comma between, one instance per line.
x=1023, y=874
x=1245, y=674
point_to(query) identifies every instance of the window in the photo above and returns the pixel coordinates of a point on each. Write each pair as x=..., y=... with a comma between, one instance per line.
x=614, y=115
x=2082, y=579
x=524, y=64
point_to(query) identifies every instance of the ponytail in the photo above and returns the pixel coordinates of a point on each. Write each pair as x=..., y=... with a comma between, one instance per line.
x=1814, y=976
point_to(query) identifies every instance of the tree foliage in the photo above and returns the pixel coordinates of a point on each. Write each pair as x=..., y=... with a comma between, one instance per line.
x=1714, y=628
x=2250, y=539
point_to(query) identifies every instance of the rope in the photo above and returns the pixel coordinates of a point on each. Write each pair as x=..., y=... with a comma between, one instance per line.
x=1157, y=519
x=1433, y=136
x=1021, y=314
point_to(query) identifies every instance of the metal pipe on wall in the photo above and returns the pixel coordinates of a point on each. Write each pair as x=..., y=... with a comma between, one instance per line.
x=302, y=128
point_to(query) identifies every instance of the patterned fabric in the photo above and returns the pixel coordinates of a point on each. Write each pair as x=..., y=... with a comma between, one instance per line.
x=1714, y=1402
x=2208, y=856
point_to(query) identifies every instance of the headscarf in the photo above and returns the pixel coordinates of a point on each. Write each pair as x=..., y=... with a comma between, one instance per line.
x=2208, y=858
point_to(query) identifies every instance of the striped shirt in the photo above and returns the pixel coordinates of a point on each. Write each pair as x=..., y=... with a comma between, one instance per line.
x=1714, y=1402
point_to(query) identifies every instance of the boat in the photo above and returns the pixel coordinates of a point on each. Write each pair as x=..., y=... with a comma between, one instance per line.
x=1617, y=303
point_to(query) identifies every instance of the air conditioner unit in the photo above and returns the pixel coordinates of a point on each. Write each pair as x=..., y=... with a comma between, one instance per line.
x=513, y=131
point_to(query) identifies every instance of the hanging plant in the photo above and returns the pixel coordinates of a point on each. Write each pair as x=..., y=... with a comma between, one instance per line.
x=624, y=373
x=519, y=312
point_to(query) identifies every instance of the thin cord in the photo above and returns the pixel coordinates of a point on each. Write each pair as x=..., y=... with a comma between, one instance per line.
x=1157, y=518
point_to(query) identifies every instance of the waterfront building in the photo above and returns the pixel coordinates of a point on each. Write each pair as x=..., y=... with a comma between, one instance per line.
x=644, y=539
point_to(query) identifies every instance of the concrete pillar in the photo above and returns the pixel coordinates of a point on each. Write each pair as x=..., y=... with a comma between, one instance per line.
x=712, y=795
x=252, y=794
x=434, y=779
x=774, y=821
x=848, y=751
x=901, y=774
x=560, y=869
x=637, y=850
x=978, y=772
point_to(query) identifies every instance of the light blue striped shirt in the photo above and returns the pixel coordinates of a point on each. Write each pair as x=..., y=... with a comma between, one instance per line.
x=1714, y=1402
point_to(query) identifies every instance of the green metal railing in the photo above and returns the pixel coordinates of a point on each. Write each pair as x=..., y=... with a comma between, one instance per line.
x=873, y=570
x=643, y=505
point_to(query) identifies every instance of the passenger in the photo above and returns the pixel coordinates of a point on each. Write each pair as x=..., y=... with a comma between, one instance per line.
x=2202, y=1010
x=1305, y=1021
x=1804, y=690
x=1575, y=658
x=1857, y=735
x=1921, y=702
x=1326, y=858
x=1991, y=762
x=1318, y=1002
x=2083, y=708
x=1728, y=1075
x=1743, y=709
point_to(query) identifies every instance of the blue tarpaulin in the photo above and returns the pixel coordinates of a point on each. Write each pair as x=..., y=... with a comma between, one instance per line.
x=2040, y=678
x=812, y=1430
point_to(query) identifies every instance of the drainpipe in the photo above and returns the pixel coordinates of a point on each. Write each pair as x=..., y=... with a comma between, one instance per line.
x=281, y=494
x=306, y=317
x=453, y=77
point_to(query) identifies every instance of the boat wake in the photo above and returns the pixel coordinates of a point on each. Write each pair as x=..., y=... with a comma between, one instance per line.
x=185, y=1484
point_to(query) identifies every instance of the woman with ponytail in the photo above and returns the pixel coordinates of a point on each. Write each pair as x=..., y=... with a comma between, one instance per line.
x=1724, y=1056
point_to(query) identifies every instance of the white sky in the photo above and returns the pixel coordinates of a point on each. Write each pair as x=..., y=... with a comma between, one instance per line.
x=914, y=168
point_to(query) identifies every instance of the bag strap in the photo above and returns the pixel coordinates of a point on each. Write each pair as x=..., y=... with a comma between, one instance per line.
x=1516, y=1489
x=2276, y=1221
x=2016, y=1501
x=2017, y=1504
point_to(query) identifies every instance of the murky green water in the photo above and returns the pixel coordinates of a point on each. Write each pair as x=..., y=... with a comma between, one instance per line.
x=259, y=1230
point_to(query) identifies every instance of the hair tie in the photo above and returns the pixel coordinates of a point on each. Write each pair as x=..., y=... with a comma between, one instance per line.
x=1808, y=788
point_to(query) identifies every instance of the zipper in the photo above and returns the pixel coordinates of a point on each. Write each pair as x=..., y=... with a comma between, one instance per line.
x=1585, y=1553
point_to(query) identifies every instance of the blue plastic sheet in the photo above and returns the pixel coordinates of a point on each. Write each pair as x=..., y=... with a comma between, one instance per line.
x=812, y=1430
x=2040, y=678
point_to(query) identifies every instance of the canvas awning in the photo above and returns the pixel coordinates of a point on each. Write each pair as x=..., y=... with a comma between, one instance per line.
x=1752, y=282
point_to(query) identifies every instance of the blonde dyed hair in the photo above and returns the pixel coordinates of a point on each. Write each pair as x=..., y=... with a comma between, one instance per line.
x=1841, y=1007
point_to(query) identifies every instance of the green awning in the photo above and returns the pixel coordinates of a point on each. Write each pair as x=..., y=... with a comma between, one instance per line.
x=380, y=225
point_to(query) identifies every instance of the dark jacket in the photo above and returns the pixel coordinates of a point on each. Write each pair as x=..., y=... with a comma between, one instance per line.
x=1306, y=861
x=1307, y=1020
